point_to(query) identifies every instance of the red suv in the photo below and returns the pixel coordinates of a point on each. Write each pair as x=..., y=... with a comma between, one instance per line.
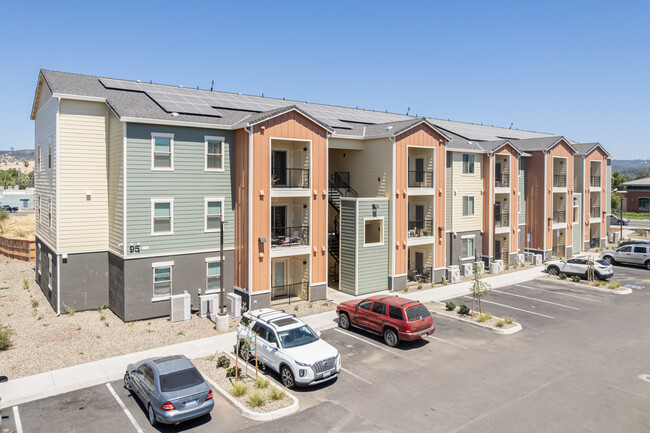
x=397, y=319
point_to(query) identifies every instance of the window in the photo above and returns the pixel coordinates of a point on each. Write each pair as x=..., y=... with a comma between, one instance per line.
x=162, y=151
x=214, y=153
x=162, y=280
x=468, y=205
x=162, y=212
x=395, y=313
x=467, y=247
x=639, y=250
x=365, y=305
x=643, y=204
x=38, y=158
x=37, y=208
x=213, y=276
x=379, y=308
x=49, y=155
x=213, y=214
x=49, y=271
x=468, y=164
x=624, y=250
x=374, y=232
x=49, y=213
x=37, y=259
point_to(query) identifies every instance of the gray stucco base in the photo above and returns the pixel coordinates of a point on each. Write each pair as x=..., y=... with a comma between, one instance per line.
x=455, y=246
x=397, y=283
x=42, y=277
x=259, y=300
x=84, y=281
x=568, y=251
x=318, y=292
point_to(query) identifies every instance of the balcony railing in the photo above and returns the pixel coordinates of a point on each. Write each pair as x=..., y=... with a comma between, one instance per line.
x=419, y=228
x=559, y=216
x=289, y=177
x=559, y=181
x=289, y=236
x=595, y=181
x=501, y=219
x=289, y=292
x=421, y=275
x=420, y=179
x=595, y=212
x=502, y=180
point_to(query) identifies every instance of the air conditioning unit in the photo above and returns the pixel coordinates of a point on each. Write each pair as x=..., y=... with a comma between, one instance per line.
x=495, y=268
x=233, y=304
x=180, y=307
x=521, y=259
x=480, y=266
x=453, y=274
x=500, y=264
x=209, y=305
x=468, y=269
x=538, y=260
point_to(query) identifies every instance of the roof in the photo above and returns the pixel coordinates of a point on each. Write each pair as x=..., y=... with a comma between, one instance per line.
x=640, y=182
x=584, y=149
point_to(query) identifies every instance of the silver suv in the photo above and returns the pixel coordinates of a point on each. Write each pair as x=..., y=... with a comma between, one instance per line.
x=635, y=254
x=290, y=347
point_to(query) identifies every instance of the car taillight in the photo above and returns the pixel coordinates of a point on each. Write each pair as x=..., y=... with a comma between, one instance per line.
x=209, y=397
x=168, y=406
x=408, y=327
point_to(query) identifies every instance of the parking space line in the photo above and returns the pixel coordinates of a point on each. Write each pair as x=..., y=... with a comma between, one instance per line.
x=514, y=308
x=19, y=425
x=126, y=411
x=358, y=377
x=536, y=299
x=378, y=346
x=558, y=293
x=448, y=342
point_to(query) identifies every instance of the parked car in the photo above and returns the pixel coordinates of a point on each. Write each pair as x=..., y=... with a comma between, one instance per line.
x=290, y=347
x=2, y=379
x=171, y=388
x=617, y=220
x=395, y=318
x=622, y=244
x=580, y=266
x=633, y=254
x=8, y=208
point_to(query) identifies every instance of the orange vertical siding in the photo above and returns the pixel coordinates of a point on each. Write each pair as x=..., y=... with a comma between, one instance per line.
x=562, y=149
x=514, y=211
x=600, y=156
x=535, y=189
x=241, y=208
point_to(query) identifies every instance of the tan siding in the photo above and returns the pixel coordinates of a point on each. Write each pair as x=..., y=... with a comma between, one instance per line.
x=82, y=132
x=115, y=184
x=467, y=185
x=45, y=179
x=370, y=169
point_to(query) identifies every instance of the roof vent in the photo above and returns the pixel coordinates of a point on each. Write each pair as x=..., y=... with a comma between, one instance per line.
x=388, y=128
x=175, y=114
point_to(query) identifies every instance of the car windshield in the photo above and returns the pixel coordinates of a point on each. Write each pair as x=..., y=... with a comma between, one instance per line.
x=180, y=380
x=603, y=262
x=297, y=337
x=416, y=313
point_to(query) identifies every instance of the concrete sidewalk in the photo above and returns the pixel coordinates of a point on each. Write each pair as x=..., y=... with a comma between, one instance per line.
x=56, y=382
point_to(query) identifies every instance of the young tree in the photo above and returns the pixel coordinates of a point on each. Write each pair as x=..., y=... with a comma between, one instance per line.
x=479, y=289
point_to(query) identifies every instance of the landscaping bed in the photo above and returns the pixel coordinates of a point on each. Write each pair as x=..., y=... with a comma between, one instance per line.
x=304, y=308
x=485, y=319
x=611, y=285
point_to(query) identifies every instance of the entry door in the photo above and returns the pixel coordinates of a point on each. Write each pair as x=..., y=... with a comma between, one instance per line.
x=419, y=261
x=497, y=212
x=497, y=172
x=419, y=170
x=419, y=216
x=279, y=221
x=279, y=168
x=278, y=278
x=497, y=250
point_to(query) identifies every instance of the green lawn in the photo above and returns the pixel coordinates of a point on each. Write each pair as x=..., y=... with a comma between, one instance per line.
x=636, y=215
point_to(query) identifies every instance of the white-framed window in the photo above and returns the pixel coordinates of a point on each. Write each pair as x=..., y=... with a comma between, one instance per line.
x=162, y=216
x=49, y=213
x=468, y=205
x=467, y=247
x=49, y=271
x=162, y=151
x=212, y=275
x=49, y=154
x=468, y=163
x=162, y=279
x=38, y=158
x=213, y=214
x=214, y=153
x=373, y=231
x=37, y=208
x=38, y=260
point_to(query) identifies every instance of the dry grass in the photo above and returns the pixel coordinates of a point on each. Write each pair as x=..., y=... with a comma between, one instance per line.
x=19, y=227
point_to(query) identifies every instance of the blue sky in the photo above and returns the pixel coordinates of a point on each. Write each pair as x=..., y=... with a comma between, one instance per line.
x=578, y=69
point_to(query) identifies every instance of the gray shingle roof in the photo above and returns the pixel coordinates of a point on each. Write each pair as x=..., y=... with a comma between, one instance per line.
x=642, y=182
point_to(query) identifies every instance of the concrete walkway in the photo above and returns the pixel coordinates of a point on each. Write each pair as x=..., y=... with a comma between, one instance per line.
x=56, y=382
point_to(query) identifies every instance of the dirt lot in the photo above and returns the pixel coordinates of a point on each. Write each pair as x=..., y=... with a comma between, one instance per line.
x=19, y=227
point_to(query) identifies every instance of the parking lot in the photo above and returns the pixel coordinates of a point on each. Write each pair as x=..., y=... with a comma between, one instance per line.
x=578, y=365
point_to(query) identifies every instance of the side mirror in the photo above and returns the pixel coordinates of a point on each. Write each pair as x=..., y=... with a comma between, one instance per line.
x=273, y=345
x=356, y=306
x=3, y=379
x=318, y=333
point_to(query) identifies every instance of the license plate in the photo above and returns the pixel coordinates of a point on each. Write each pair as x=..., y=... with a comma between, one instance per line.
x=191, y=403
x=326, y=374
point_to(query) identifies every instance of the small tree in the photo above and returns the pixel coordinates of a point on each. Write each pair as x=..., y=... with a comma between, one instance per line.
x=479, y=288
x=591, y=270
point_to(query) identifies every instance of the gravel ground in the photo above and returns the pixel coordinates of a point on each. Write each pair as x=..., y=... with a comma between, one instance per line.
x=306, y=308
x=44, y=342
x=440, y=308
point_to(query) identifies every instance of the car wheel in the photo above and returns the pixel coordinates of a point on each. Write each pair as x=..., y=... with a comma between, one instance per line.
x=390, y=337
x=344, y=321
x=553, y=270
x=647, y=265
x=152, y=416
x=287, y=376
x=127, y=381
x=610, y=259
x=597, y=277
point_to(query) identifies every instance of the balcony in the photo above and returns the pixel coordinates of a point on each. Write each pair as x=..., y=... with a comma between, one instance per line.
x=420, y=228
x=420, y=275
x=289, y=177
x=559, y=181
x=420, y=179
x=559, y=216
x=502, y=180
x=595, y=212
x=595, y=182
x=501, y=219
x=286, y=293
x=285, y=237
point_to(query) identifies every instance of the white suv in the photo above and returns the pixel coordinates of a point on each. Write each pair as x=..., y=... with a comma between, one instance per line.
x=289, y=346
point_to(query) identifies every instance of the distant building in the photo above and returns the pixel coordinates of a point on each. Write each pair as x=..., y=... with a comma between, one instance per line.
x=23, y=198
x=638, y=195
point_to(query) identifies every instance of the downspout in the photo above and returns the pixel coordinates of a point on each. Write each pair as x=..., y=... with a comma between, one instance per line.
x=250, y=217
x=57, y=146
x=490, y=210
x=392, y=216
x=544, y=220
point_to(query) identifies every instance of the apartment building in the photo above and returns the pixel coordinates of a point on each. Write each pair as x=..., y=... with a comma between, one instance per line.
x=137, y=182
x=637, y=198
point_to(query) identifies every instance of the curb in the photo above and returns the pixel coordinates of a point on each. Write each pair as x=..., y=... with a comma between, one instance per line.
x=508, y=331
x=627, y=290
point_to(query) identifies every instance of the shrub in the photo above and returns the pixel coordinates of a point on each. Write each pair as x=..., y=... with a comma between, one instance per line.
x=600, y=283
x=69, y=310
x=230, y=372
x=463, y=310
x=563, y=276
x=311, y=304
x=406, y=289
x=277, y=394
x=444, y=281
x=642, y=232
x=223, y=361
x=295, y=308
x=256, y=399
x=261, y=383
x=500, y=324
x=239, y=389
x=179, y=332
x=509, y=320
x=34, y=303
x=131, y=324
x=450, y=306
x=6, y=332
x=515, y=266
x=506, y=267
x=484, y=317
x=576, y=278
x=614, y=285
x=25, y=284
x=420, y=286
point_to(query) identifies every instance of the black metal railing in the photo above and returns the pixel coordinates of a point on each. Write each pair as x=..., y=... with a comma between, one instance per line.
x=595, y=212
x=559, y=181
x=420, y=179
x=289, y=177
x=502, y=180
x=289, y=236
x=559, y=216
x=288, y=293
x=501, y=219
x=421, y=275
x=595, y=181
x=419, y=228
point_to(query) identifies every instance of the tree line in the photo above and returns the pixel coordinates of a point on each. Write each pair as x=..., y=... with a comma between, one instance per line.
x=13, y=177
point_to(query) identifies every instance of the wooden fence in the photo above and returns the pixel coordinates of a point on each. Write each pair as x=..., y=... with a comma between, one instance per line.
x=19, y=249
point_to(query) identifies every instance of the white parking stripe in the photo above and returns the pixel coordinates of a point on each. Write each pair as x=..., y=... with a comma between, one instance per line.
x=126, y=411
x=536, y=299
x=514, y=308
x=358, y=377
x=448, y=342
x=558, y=293
x=19, y=425
x=378, y=346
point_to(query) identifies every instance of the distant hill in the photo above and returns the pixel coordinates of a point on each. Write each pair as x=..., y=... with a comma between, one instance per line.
x=15, y=159
x=632, y=168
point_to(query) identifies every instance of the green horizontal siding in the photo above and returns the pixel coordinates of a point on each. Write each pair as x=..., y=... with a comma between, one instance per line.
x=348, y=234
x=522, y=190
x=372, y=266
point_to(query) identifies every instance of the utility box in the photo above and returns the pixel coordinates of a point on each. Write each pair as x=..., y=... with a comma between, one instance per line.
x=180, y=308
x=233, y=304
x=495, y=268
